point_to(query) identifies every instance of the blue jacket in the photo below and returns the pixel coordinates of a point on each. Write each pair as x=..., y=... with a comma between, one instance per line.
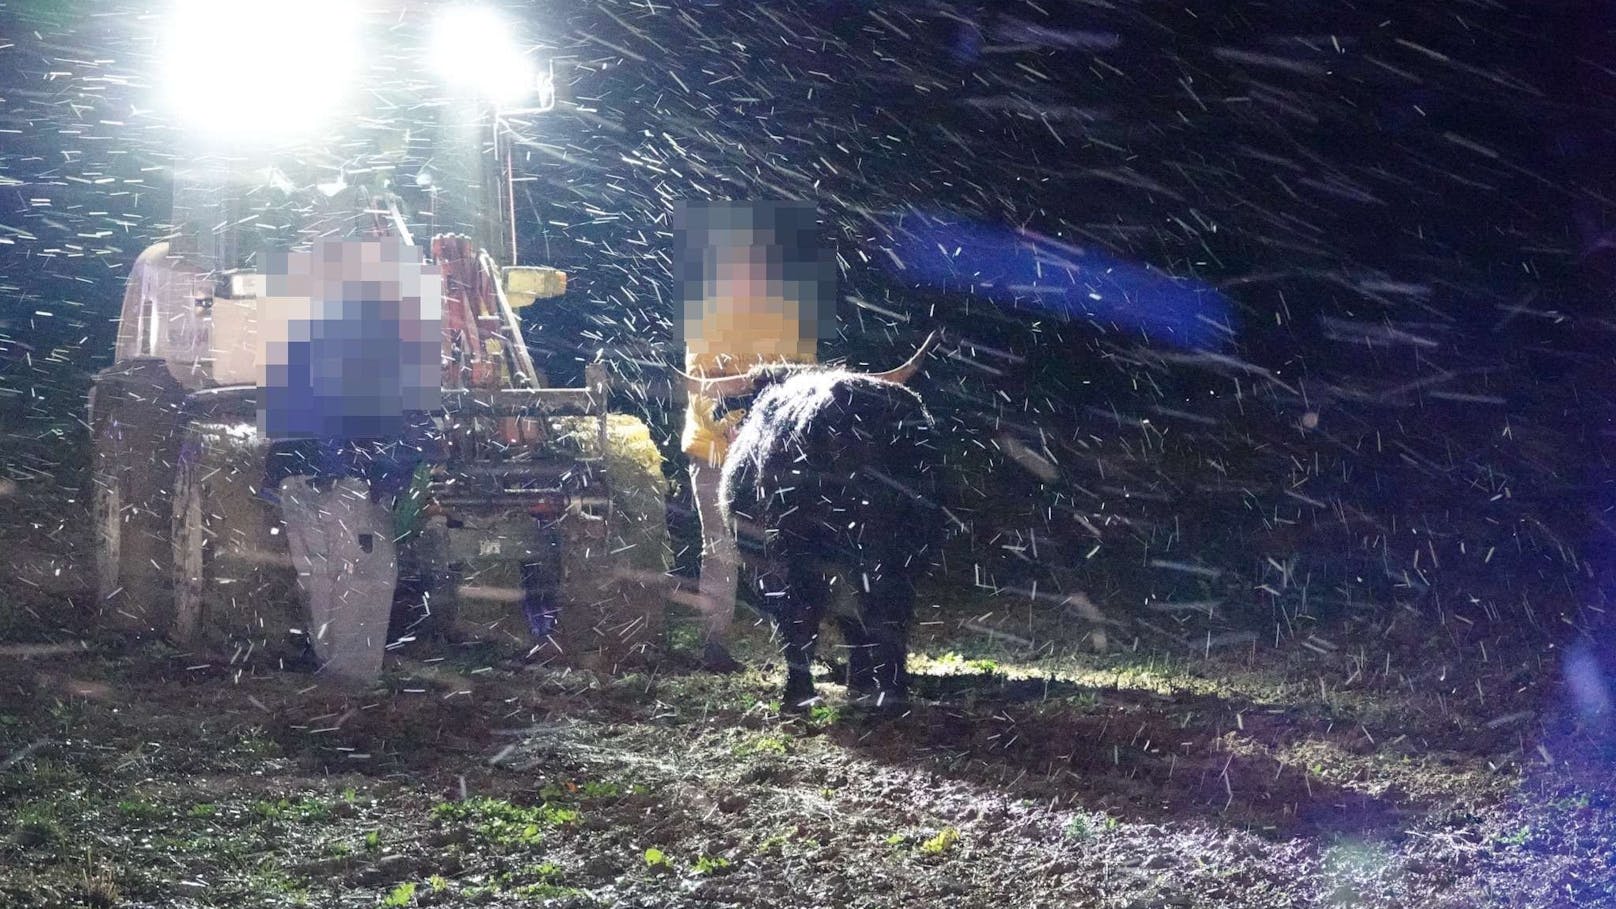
x=386, y=464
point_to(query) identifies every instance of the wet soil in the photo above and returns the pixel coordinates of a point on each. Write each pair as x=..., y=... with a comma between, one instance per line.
x=1384, y=760
x=146, y=777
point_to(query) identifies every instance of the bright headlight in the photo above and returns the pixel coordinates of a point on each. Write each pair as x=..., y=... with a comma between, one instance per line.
x=259, y=69
x=476, y=48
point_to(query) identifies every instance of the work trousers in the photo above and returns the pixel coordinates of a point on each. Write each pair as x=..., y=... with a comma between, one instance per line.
x=720, y=558
x=342, y=547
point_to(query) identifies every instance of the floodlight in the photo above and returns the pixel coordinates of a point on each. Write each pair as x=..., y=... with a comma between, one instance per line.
x=262, y=70
x=475, y=48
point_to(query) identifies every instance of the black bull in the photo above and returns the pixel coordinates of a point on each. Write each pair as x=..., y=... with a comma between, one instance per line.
x=837, y=470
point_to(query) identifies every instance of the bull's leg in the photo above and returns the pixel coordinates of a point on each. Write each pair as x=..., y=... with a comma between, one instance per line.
x=844, y=606
x=888, y=605
x=799, y=592
x=860, y=655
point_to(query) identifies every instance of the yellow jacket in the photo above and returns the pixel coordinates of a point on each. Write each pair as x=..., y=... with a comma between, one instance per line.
x=732, y=339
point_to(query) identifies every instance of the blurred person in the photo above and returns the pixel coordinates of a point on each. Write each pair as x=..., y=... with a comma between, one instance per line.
x=349, y=381
x=755, y=288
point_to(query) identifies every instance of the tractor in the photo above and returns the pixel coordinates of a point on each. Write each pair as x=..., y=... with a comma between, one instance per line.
x=538, y=518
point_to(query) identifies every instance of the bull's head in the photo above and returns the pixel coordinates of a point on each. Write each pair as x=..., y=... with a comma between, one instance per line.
x=748, y=382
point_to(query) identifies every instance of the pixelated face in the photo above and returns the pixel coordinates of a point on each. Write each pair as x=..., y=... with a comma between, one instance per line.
x=753, y=277
x=741, y=276
x=352, y=340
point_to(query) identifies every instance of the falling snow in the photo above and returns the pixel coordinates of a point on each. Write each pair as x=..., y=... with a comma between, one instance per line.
x=1273, y=445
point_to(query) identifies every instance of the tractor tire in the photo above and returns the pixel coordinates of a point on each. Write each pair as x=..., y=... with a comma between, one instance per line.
x=135, y=418
x=235, y=591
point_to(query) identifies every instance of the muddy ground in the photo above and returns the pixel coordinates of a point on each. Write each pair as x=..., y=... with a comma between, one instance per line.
x=1386, y=760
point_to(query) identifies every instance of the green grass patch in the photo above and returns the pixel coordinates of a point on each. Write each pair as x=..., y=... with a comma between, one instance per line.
x=142, y=809
x=269, y=879
x=588, y=790
x=399, y=896
x=502, y=823
x=945, y=840
x=953, y=663
x=35, y=827
x=1082, y=829
x=1517, y=837
x=530, y=883
x=824, y=715
x=764, y=743
x=305, y=810
x=712, y=865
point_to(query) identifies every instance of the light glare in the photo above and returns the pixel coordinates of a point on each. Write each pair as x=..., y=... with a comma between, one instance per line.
x=477, y=49
x=259, y=70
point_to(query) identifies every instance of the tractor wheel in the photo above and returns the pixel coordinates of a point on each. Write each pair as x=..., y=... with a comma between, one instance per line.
x=134, y=419
x=235, y=592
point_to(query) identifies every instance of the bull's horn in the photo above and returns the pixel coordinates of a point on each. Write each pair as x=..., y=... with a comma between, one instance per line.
x=907, y=371
x=716, y=389
x=732, y=386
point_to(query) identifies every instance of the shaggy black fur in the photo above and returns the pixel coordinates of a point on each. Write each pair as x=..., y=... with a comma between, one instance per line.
x=836, y=471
